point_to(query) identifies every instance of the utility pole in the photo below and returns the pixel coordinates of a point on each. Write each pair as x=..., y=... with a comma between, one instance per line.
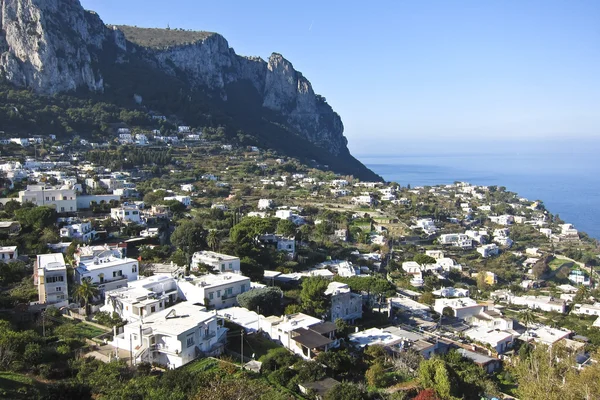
x=44, y=323
x=130, y=350
x=242, y=346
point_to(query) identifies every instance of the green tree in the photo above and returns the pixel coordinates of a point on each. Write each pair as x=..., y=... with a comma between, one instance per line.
x=423, y=259
x=189, y=237
x=427, y=298
x=312, y=296
x=267, y=300
x=435, y=374
x=286, y=228
x=376, y=376
x=213, y=240
x=85, y=292
x=346, y=391
x=36, y=217
x=528, y=318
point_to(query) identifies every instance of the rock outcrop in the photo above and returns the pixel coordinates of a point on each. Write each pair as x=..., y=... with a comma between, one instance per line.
x=53, y=46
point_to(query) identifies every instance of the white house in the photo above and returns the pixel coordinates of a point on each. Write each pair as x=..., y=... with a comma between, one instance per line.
x=265, y=204
x=142, y=298
x=50, y=276
x=462, y=308
x=488, y=250
x=173, y=337
x=215, y=291
x=502, y=219
x=126, y=214
x=456, y=239
x=302, y=334
x=106, y=270
x=587, y=309
x=364, y=200
x=546, y=335
x=64, y=198
x=281, y=243
x=500, y=341
x=8, y=253
x=187, y=187
x=451, y=292
x=185, y=200
x=82, y=230
x=150, y=232
x=218, y=261
x=544, y=303
x=344, y=304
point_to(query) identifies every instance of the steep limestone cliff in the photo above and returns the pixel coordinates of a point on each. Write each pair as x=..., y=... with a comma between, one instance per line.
x=53, y=46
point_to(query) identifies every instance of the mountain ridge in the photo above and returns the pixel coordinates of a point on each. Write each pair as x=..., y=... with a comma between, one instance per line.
x=55, y=46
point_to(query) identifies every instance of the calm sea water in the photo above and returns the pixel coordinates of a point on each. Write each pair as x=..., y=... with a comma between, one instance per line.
x=566, y=177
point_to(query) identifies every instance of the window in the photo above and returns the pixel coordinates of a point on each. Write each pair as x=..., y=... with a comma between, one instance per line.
x=230, y=265
x=153, y=309
x=126, y=212
x=62, y=209
x=190, y=341
x=53, y=198
x=242, y=288
x=229, y=291
x=218, y=293
x=210, y=296
x=134, y=268
x=59, y=289
x=47, y=198
x=117, y=273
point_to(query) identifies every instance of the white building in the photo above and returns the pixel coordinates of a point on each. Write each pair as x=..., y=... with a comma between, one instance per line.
x=187, y=187
x=142, y=298
x=302, y=334
x=81, y=230
x=64, y=199
x=265, y=204
x=544, y=303
x=488, y=250
x=106, y=270
x=150, y=232
x=8, y=253
x=544, y=335
x=218, y=261
x=365, y=200
x=427, y=225
x=173, y=337
x=462, y=308
x=344, y=304
x=126, y=214
x=451, y=292
x=214, y=291
x=456, y=239
x=50, y=276
x=500, y=341
x=502, y=219
x=587, y=309
x=281, y=243
x=185, y=200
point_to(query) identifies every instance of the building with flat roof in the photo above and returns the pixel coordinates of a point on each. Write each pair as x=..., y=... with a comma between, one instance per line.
x=8, y=253
x=215, y=291
x=173, y=337
x=500, y=341
x=50, y=276
x=344, y=304
x=105, y=269
x=462, y=308
x=218, y=261
x=142, y=298
x=63, y=199
x=126, y=214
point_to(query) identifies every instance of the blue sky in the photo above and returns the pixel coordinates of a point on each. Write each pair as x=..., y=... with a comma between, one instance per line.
x=396, y=71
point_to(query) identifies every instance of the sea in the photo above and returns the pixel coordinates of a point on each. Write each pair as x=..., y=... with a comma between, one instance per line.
x=564, y=174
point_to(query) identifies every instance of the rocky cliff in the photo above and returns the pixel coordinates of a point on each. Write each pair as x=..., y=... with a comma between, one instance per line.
x=53, y=46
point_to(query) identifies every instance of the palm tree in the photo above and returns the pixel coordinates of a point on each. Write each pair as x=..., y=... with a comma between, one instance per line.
x=528, y=318
x=212, y=239
x=85, y=291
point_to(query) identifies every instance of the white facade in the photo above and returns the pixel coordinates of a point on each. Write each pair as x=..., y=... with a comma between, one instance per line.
x=587, y=309
x=142, y=298
x=456, y=239
x=51, y=279
x=82, y=231
x=265, y=204
x=544, y=303
x=64, y=199
x=462, y=307
x=499, y=340
x=173, y=337
x=107, y=271
x=488, y=250
x=218, y=261
x=185, y=200
x=215, y=291
x=8, y=253
x=282, y=243
x=126, y=214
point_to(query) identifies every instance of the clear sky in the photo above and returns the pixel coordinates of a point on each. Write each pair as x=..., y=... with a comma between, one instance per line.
x=452, y=71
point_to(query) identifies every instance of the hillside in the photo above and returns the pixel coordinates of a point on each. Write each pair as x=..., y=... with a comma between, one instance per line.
x=157, y=38
x=193, y=77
